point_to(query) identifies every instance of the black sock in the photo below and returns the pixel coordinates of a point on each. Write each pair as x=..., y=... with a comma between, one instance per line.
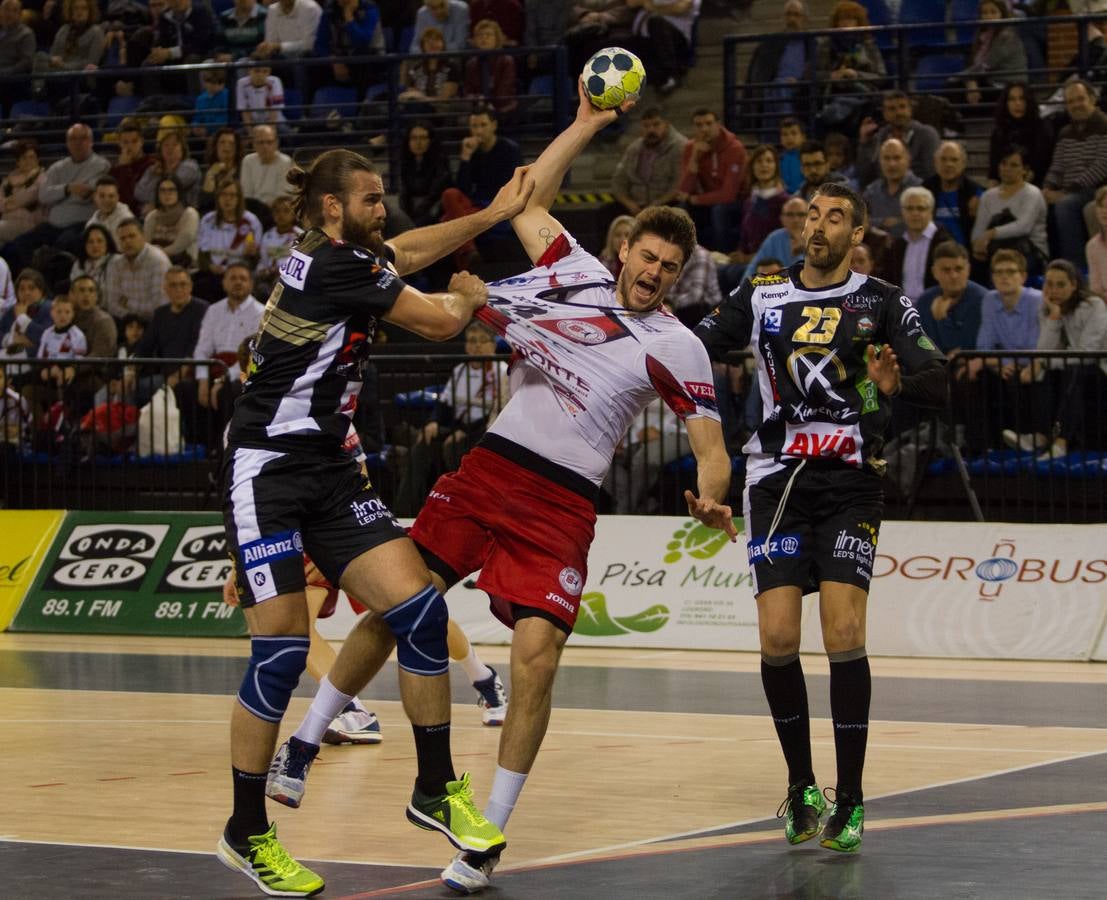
x=436, y=766
x=850, y=691
x=249, y=807
x=786, y=692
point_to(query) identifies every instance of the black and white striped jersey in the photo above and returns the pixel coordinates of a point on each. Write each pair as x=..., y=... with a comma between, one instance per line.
x=312, y=346
x=810, y=344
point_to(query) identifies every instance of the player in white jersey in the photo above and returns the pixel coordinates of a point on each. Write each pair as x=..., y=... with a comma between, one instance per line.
x=590, y=354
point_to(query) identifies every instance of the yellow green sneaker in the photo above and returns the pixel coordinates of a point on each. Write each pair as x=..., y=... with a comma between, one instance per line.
x=801, y=810
x=846, y=824
x=268, y=865
x=456, y=816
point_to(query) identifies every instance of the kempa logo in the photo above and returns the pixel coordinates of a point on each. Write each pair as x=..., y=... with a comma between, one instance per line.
x=112, y=554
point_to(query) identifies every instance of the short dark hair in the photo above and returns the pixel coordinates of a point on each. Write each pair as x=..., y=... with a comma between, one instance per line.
x=329, y=173
x=106, y=180
x=950, y=250
x=860, y=215
x=670, y=224
x=809, y=147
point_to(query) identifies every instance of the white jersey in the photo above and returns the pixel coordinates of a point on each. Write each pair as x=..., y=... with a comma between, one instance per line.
x=585, y=367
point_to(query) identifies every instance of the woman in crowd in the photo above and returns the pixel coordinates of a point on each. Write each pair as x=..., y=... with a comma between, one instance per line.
x=19, y=207
x=424, y=174
x=171, y=158
x=229, y=233
x=223, y=159
x=617, y=232
x=765, y=197
x=501, y=86
x=430, y=79
x=172, y=225
x=997, y=57
x=97, y=251
x=1017, y=122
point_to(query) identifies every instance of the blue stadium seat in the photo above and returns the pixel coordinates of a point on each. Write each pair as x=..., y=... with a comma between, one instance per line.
x=932, y=72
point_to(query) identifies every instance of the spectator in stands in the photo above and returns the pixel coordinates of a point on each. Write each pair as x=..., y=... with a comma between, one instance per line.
x=20, y=209
x=1078, y=167
x=172, y=158
x=848, y=65
x=765, y=197
x=290, y=29
x=648, y=172
x=912, y=256
x=950, y=310
x=132, y=162
x=663, y=32
x=17, y=41
x=430, y=80
x=956, y=196
x=997, y=57
x=226, y=324
x=486, y=161
x=546, y=23
x=1096, y=248
x=712, y=167
x=259, y=97
x=1018, y=123
x=211, y=103
x=696, y=291
x=596, y=24
x=109, y=211
x=23, y=324
x=349, y=28
x=264, y=170
x=66, y=193
x=816, y=169
x=1012, y=215
x=451, y=17
x=239, y=30
x=783, y=62
x=508, y=14
x=424, y=173
x=229, y=234
x=883, y=195
x=172, y=333
x=861, y=260
x=792, y=138
x=921, y=141
x=839, y=157
x=491, y=77
x=617, y=233
x=784, y=245
x=223, y=159
x=276, y=243
x=97, y=251
x=171, y=225
x=98, y=327
x=1070, y=319
x=78, y=44
x=133, y=283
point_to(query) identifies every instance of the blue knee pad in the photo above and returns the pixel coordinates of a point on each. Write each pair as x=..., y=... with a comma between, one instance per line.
x=276, y=664
x=419, y=624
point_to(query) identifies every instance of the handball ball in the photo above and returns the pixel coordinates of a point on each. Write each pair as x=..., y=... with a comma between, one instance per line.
x=613, y=75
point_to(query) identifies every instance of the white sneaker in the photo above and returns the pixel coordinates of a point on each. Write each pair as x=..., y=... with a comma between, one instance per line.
x=1028, y=443
x=468, y=873
x=493, y=699
x=354, y=726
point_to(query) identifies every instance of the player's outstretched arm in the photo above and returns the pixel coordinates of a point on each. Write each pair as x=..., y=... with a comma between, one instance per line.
x=713, y=475
x=536, y=228
x=438, y=317
x=418, y=248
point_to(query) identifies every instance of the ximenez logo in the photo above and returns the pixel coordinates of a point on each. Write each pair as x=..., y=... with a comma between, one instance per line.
x=115, y=555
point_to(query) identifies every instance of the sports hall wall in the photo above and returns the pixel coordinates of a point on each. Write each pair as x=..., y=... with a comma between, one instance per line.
x=990, y=590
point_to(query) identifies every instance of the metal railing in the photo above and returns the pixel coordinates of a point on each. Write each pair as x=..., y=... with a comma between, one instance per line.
x=954, y=465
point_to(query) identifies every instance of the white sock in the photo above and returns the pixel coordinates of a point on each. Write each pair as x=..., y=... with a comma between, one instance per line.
x=505, y=793
x=328, y=703
x=475, y=670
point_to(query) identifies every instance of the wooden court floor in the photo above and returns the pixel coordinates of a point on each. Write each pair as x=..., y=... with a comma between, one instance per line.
x=659, y=777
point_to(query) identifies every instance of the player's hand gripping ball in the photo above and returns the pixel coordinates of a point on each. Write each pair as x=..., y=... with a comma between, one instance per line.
x=612, y=76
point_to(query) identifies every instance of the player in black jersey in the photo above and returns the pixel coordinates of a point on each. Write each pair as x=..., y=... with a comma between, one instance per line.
x=828, y=344
x=289, y=488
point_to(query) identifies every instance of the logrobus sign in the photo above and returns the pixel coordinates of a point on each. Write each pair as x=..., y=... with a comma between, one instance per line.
x=133, y=573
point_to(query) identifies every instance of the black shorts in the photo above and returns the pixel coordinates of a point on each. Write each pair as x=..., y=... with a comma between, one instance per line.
x=828, y=529
x=277, y=505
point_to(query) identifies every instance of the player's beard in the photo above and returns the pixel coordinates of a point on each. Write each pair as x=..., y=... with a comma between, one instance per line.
x=368, y=234
x=827, y=255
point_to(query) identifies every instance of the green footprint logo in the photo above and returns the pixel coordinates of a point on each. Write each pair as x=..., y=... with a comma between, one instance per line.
x=696, y=539
x=595, y=621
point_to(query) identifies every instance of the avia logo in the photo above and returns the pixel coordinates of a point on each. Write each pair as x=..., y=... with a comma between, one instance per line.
x=594, y=620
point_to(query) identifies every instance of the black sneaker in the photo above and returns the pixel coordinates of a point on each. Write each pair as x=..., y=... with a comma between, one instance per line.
x=801, y=810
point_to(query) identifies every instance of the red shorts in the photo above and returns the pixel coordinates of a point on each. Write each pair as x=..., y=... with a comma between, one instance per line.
x=332, y=594
x=528, y=535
